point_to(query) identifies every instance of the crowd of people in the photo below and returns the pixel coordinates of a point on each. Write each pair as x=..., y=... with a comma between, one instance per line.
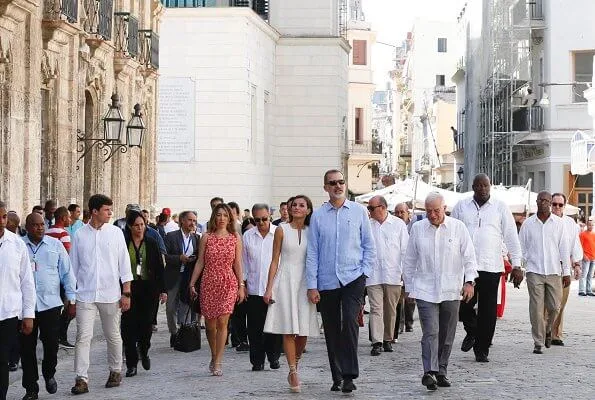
x=264, y=281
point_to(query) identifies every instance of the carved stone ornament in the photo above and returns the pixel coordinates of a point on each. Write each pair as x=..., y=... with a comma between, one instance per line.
x=48, y=72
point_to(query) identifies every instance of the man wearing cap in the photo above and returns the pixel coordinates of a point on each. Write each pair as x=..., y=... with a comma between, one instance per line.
x=170, y=225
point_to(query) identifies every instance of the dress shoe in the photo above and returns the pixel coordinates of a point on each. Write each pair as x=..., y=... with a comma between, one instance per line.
x=387, y=347
x=154, y=328
x=348, y=386
x=145, y=361
x=51, y=385
x=468, y=343
x=336, y=386
x=80, y=387
x=582, y=294
x=537, y=350
x=31, y=396
x=275, y=364
x=557, y=342
x=172, y=340
x=258, y=367
x=243, y=347
x=429, y=381
x=12, y=367
x=376, y=349
x=548, y=340
x=480, y=358
x=408, y=329
x=65, y=344
x=114, y=379
x=442, y=381
x=590, y=294
x=130, y=372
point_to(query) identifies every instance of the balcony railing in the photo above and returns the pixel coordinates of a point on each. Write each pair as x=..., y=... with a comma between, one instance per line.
x=149, y=48
x=365, y=147
x=459, y=137
x=528, y=119
x=127, y=36
x=99, y=18
x=58, y=9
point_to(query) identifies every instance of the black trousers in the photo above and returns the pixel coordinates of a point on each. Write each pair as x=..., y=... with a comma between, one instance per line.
x=261, y=344
x=482, y=324
x=405, y=311
x=137, y=322
x=64, y=317
x=239, y=329
x=8, y=335
x=45, y=327
x=339, y=309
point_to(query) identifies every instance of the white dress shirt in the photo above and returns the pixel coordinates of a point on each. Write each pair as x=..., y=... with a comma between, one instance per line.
x=257, y=256
x=571, y=232
x=100, y=260
x=544, y=246
x=17, y=287
x=171, y=226
x=489, y=226
x=438, y=261
x=391, y=239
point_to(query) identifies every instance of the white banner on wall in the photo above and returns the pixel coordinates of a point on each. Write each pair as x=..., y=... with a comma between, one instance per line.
x=177, y=105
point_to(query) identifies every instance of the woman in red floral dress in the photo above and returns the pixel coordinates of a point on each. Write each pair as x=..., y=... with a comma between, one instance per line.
x=222, y=283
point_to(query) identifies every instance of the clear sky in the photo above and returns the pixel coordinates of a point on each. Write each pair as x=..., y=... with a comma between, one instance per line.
x=392, y=19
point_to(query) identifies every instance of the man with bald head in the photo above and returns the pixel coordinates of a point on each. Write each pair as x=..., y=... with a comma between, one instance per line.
x=384, y=282
x=17, y=294
x=13, y=223
x=547, y=257
x=51, y=269
x=439, y=265
x=490, y=223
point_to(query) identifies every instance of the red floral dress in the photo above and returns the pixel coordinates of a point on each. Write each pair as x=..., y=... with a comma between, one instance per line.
x=219, y=285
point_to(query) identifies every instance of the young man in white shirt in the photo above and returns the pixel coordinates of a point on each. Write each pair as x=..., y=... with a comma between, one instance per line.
x=546, y=253
x=490, y=223
x=100, y=261
x=384, y=283
x=439, y=258
x=17, y=294
x=257, y=254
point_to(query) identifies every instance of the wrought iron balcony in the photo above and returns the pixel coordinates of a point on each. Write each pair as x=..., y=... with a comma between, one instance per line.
x=127, y=36
x=58, y=9
x=365, y=147
x=99, y=18
x=149, y=48
x=528, y=119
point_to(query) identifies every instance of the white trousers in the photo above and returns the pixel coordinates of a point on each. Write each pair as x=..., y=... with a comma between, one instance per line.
x=109, y=313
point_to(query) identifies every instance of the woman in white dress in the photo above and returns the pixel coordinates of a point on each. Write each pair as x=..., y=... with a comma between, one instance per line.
x=290, y=312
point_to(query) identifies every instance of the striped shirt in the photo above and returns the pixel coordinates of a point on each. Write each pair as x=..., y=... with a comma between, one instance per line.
x=58, y=232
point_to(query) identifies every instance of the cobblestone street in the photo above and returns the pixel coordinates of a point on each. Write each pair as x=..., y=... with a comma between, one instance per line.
x=513, y=373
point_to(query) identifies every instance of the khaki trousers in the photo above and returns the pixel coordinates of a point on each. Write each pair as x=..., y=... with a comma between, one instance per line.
x=545, y=294
x=383, y=311
x=558, y=328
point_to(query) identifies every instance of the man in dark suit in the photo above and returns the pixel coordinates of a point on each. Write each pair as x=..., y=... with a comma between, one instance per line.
x=182, y=251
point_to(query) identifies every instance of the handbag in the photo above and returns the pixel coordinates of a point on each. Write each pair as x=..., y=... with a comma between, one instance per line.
x=187, y=337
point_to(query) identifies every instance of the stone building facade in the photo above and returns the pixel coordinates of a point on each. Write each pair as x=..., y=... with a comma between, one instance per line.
x=60, y=63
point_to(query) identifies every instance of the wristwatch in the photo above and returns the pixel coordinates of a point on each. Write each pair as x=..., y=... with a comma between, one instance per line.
x=472, y=283
x=126, y=294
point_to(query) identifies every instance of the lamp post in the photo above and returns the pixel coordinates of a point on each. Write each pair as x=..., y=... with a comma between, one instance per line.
x=136, y=128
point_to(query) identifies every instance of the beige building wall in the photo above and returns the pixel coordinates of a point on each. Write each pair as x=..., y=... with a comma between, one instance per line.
x=57, y=75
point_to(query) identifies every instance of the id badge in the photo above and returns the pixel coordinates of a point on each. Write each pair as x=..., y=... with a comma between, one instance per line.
x=33, y=266
x=138, y=269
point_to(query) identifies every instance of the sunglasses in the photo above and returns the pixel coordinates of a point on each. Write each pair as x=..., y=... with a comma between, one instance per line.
x=372, y=208
x=337, y=182
x=557, y=204
x=263, y=219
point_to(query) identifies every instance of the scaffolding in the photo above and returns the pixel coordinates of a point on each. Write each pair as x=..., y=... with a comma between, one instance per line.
x=505, y=113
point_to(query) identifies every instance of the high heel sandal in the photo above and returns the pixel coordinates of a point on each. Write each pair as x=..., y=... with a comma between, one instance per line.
x=211, y=366
x=293, y=371
x=217, y=371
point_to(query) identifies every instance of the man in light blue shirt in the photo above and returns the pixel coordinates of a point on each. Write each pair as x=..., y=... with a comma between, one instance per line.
x=340, y=256
x=51, y=267
x=76, y=223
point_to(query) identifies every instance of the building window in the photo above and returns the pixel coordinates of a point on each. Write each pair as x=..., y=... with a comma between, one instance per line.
x=359, y=52
x=583, y=72
x=441, y=45
x=440, y=80
x=541, y=178
x=359, y=125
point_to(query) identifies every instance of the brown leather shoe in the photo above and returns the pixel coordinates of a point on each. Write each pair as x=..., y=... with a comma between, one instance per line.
x=80, y=386
x=114, y=380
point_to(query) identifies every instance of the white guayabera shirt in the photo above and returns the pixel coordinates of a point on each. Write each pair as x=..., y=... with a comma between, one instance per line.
x=489, y=226
x=438, y=261
x=391, y=239
x=545, y=249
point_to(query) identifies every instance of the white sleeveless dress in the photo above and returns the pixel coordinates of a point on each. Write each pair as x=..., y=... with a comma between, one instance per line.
x=292, y=313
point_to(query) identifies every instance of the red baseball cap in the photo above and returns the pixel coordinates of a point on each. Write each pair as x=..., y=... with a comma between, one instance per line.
x=166, y=211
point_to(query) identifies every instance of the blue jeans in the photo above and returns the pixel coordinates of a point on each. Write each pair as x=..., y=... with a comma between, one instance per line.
x=584, y=284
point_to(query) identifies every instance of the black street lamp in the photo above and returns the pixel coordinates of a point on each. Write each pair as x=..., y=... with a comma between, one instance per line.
x=136, y=128
x=113, y=122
